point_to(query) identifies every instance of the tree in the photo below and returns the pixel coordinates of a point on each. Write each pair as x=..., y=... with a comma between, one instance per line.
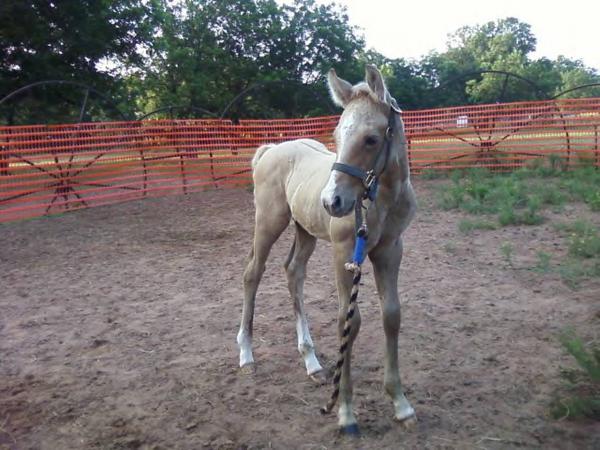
x=573, y=74
x=70, y=40
x=205, y=54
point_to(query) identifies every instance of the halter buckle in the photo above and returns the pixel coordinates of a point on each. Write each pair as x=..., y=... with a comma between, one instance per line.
x=369, y=179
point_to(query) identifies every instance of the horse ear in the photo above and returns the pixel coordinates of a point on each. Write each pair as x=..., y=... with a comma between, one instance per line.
x=340, y=90
x=375, y=82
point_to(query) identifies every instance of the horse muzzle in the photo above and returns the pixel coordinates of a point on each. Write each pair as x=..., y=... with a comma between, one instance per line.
x=336, y=203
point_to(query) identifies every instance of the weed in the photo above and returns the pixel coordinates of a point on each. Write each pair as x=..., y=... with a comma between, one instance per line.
x=584, y=239
x=543, y=262
x=519, y=198
x=573, y=271
x=507, y=251
x=584, y=381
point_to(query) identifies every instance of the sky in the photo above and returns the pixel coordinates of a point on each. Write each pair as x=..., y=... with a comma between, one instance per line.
x=410, y=29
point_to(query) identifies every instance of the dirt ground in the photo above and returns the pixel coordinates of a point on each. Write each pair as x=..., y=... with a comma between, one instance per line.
x=118, y=324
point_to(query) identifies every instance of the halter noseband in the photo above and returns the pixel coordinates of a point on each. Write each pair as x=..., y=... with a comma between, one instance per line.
x=369, y=178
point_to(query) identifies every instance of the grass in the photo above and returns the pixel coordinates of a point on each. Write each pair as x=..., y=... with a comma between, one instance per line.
x=583, y=383
x=520, y=197
x=507, y=251
x=583, y=239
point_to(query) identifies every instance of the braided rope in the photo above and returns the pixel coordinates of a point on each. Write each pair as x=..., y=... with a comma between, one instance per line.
x=355, y=268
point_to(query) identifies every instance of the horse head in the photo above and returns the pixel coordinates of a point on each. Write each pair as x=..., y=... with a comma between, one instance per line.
x=368, y=135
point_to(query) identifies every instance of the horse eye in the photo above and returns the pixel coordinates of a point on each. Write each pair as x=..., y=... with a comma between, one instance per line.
x=371, y=140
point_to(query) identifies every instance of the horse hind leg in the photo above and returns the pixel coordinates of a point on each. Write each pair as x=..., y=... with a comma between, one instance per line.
x=295, y=268
x=268, y=228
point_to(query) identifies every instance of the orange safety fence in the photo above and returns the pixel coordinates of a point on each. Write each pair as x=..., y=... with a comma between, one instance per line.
x=47, y=169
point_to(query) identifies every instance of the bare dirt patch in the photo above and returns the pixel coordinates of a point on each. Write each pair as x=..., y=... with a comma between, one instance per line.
x=117, y=330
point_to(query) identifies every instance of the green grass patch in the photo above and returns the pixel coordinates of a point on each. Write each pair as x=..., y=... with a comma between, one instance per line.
x=583, y=383
x=519, y=198
x=574, y=271
x=583, y=261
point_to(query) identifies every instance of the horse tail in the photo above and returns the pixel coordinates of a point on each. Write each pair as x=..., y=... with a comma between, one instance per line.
x=259, y=152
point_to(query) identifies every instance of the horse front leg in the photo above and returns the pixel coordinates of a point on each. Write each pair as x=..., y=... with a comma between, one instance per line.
x=386, y=264
x=346, y=418
x=267, y=230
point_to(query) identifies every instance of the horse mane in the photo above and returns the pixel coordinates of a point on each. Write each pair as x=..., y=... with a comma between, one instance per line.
x=362, y=90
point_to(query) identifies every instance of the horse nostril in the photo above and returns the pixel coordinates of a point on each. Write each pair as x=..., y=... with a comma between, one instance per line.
x=337, y=202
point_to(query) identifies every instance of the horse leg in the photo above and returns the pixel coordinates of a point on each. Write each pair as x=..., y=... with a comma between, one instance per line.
x=269, y=226
x=386, y=264
x=346, y=418
x=295, y=268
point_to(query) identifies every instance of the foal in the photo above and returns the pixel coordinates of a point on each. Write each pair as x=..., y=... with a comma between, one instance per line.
x=295, y=181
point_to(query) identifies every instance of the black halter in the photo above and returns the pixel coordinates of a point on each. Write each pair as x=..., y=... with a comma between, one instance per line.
x=369, y=178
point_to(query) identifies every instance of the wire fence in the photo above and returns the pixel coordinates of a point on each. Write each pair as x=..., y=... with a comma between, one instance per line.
x=46, y=169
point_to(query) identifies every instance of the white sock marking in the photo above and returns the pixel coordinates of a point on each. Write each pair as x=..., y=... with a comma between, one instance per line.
x=245, y=343
x=306, y=346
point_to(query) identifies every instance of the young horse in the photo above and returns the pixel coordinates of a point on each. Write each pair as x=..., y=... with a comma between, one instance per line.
x=298, y=180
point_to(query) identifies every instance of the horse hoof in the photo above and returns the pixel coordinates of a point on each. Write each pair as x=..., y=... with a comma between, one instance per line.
x=320, y=377
x=248, y=369
x=350, y=430
x=409, y=423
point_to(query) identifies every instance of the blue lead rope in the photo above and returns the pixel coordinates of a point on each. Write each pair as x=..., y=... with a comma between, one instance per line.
x=359, y=247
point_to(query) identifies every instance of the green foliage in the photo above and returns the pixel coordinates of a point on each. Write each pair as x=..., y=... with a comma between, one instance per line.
x=147, y=54
x=584, y=241
x=584, y=381
x=71, y=40
x=209, y=52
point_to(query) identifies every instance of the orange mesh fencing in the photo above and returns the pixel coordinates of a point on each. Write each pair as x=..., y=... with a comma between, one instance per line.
x=47, y=169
